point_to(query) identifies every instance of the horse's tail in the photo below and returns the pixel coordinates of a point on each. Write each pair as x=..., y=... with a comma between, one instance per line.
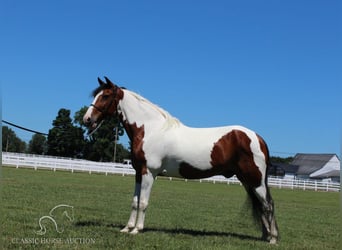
x=255, y=204
x=267, y=161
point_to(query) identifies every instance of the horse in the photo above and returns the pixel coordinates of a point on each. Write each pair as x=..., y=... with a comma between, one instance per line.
x=162, y=145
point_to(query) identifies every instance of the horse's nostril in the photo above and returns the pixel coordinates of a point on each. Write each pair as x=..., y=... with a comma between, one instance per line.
x=87, y=120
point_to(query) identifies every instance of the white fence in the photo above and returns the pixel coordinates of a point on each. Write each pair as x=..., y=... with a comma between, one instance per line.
x=67, y=164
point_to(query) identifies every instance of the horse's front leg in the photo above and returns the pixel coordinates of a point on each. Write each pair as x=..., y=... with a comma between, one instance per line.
x=133, y=217
x=145, y=191
x=141, y=197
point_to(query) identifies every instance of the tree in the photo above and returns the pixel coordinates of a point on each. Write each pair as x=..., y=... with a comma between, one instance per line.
x=37, y=144
x=122, y=153
x=78, y=118
x=64, y=139
x=277, y=159
x=11, y=142
x=100, y=146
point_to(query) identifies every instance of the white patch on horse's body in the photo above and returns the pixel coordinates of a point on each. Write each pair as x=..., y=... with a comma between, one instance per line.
x=260, y=162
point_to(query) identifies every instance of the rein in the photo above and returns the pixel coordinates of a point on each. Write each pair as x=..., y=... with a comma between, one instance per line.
x=97, y=127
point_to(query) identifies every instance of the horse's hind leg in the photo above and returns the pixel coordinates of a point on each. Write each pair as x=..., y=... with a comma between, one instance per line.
x=263, y=209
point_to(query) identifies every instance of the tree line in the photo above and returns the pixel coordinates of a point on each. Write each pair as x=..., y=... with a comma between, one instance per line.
x=68, y=138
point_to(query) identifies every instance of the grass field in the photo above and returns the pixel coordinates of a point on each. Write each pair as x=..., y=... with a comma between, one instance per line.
x=181, y=215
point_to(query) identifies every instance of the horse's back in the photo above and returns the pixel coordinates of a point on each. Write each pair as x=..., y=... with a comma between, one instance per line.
x=203, y=148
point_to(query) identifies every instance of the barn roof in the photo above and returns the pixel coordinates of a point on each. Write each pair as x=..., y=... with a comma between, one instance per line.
x=280, y=169
x=290, y=168
x=309, y=163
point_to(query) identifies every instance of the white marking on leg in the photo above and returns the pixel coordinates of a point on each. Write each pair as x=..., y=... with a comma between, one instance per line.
x=134, y=212
x=146, y=186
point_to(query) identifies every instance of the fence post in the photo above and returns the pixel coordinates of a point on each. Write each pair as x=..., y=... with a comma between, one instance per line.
x=18, y=162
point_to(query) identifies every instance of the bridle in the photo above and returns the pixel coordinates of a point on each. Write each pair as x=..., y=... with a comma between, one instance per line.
x=104, y=111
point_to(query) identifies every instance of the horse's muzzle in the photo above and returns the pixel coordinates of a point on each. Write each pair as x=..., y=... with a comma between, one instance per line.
x=89, y=123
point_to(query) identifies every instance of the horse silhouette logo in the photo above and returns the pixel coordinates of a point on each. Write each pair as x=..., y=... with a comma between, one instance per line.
x=56, y=215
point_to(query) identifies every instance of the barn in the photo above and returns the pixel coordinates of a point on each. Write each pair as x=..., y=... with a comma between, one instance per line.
x=309, y=166
x=283, y=170
x=317, y=166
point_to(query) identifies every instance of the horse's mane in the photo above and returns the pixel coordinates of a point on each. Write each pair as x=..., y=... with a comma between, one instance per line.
x=170, y=120
x=103, y=87
x=100, y=88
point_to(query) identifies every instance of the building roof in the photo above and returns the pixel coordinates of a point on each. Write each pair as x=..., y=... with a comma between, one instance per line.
x=310, y=163
x=290, y=168
x=280, y=169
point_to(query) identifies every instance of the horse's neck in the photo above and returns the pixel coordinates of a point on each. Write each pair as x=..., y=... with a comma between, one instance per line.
x=137, y=110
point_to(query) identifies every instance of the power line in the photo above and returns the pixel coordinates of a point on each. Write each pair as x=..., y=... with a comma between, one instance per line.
x=26, y=129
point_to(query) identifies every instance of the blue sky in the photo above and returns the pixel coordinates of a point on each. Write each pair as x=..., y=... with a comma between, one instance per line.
x=272, y=66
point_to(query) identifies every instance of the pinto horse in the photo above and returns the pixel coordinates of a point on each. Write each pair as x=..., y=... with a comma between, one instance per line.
x=162, y=145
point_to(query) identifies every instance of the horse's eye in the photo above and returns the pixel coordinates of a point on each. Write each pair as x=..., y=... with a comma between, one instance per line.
x=105, y=97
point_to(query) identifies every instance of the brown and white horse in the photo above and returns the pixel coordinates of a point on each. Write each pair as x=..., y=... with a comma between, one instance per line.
x=161, y=144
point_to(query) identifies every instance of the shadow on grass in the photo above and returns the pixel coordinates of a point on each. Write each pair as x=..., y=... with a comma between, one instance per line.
x=185, y=231
x=193, y=232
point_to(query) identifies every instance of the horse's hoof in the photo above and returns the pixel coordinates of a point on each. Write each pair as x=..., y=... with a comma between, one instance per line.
x=125, y=230
x=134, y=231
x=273, y=240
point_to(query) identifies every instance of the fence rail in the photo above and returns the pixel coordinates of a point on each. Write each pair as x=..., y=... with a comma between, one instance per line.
x=56, y=163
x=68, y=164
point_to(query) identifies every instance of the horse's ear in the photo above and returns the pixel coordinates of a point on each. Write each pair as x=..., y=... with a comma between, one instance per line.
x=100, y=81
x=109, y=81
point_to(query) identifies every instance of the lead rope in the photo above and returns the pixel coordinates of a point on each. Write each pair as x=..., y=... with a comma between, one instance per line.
x=97, y=127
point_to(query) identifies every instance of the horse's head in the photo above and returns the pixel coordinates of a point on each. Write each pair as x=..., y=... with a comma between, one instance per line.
x=106, y=99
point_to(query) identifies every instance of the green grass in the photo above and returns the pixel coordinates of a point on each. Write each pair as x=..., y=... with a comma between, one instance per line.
x=181, y=215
